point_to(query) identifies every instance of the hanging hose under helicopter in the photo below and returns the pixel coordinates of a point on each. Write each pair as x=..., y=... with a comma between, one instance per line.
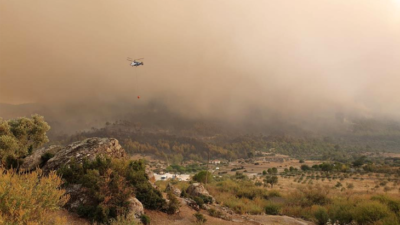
x=136, y=63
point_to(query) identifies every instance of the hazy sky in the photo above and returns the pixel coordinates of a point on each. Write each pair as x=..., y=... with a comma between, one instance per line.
x=205, y=57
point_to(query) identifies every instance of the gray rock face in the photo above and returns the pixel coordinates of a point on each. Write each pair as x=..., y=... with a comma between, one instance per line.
x=173, y=189
x=33, y=161
x=197, y=189
x=87, y=149
x=135, y=208
x=191, y=203
x=77, y=197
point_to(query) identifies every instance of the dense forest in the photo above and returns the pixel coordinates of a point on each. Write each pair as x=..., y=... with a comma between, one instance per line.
x=177, y=140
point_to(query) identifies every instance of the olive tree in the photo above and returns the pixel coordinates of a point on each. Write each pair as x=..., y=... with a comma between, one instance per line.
x=271, y=180
x=19, y=137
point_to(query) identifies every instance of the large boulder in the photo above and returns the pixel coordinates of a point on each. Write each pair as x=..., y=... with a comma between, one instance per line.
x=198, y=189
x=37, y=158
x=135, y=208
x=87, y=149
x=174, y=190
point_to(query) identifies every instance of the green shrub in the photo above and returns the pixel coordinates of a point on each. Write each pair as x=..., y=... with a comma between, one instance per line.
x=206, y=199
x=214, y=213
x=394, y=205
x=321, y=215
x=310, y=195
x=45, y=157
x=108, y=182
x=272, y=209
x=200, y=219
x=274, y=193
x=342, y=212
x=391, y=220
x=120, y=220
x=228, y=190
x=251, y=193
x=145, y=219
x=370, y=212
x=305, y=168
x=11, y=162
x=184, y=194
x=173, y=204
x=199, y=201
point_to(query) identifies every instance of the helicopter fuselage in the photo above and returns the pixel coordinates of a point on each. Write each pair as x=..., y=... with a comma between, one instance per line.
x=135, y=63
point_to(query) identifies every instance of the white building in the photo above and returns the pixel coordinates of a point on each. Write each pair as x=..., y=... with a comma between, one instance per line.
x=166, y=176
x=215, y=162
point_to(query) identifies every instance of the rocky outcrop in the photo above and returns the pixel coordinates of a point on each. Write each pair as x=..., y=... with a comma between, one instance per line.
x=135, y=208
x=87, y=149
x=198, y=189
x=191, y=203
x=35, y=160
x=173, y=189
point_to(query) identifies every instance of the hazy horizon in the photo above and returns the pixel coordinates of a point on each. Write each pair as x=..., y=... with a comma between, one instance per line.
x=296, y=60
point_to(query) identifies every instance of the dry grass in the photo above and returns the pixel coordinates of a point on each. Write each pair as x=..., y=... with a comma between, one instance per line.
x=30, y=198
x=363, y=184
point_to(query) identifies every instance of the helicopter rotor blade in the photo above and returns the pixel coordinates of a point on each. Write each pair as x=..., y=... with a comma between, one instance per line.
x=129, y=59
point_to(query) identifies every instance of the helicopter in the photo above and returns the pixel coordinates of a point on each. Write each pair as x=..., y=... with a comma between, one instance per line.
x=135, y=62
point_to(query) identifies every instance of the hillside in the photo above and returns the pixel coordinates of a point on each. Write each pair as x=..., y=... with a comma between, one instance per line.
x=192, y=140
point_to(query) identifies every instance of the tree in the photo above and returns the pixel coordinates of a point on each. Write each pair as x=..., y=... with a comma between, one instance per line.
x=305, y=167
x=326, y=167
x=173, y=204
x=359, y=162
x=202, y=176
x=272, y=170
x=19, y=137
x=271, y=180
x=177, y=159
